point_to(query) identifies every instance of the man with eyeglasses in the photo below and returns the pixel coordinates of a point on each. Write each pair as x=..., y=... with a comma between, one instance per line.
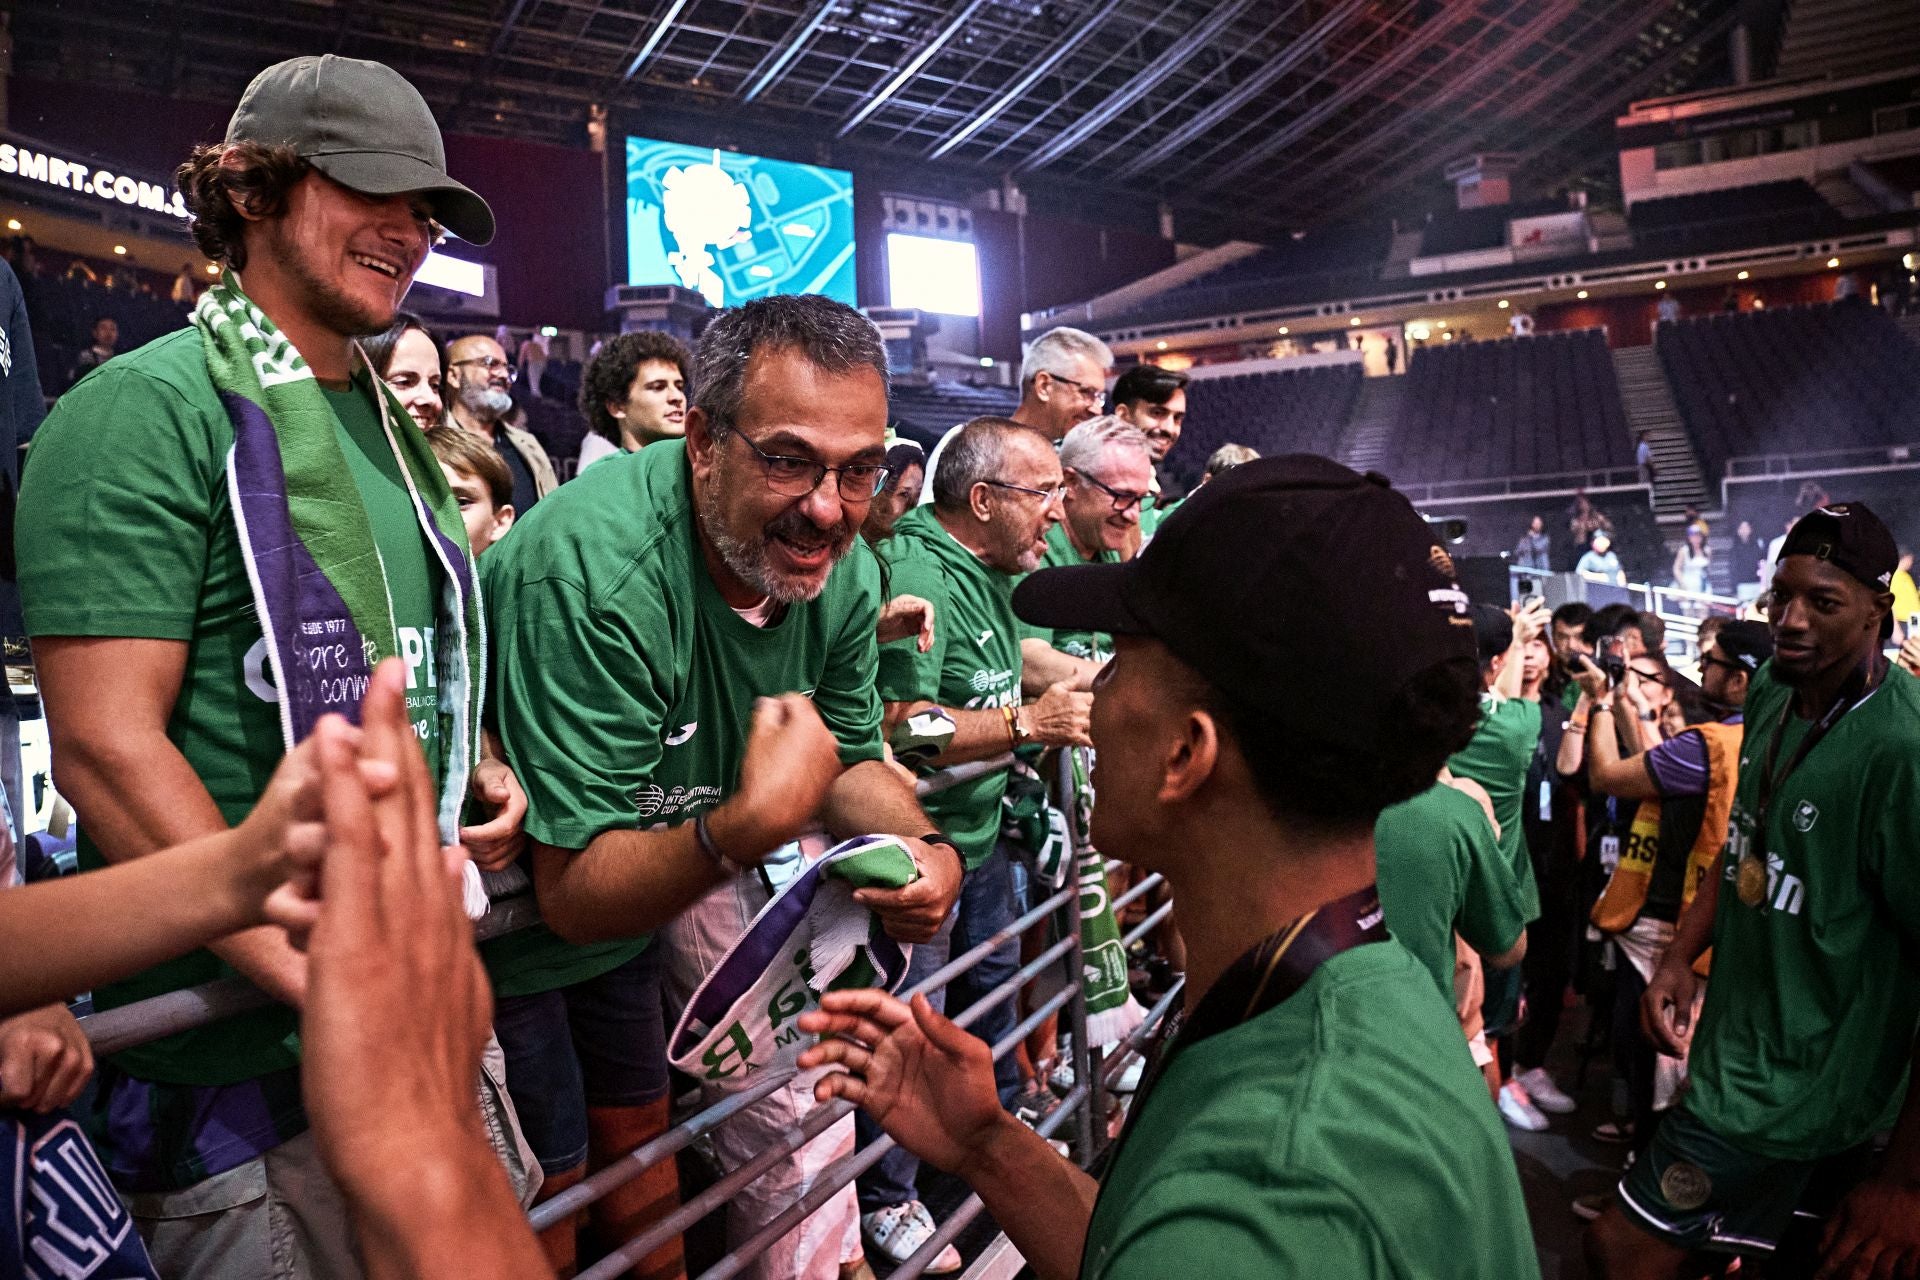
x=1109, y=471
x=996, y=496
x=268, y=523
x=479, y=397
x=1063, y=382
x=685, y=669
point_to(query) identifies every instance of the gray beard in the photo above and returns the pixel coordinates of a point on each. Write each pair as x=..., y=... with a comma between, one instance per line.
x=747, y=559
x=488, y=403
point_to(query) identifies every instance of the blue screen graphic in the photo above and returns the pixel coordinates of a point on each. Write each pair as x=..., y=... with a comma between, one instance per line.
x=735, y=226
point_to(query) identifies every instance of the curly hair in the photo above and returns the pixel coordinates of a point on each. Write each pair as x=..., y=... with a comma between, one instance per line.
x=612, y=372
x=259, y=174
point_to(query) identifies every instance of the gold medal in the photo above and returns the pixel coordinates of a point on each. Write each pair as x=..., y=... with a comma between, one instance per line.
x=1751, y=881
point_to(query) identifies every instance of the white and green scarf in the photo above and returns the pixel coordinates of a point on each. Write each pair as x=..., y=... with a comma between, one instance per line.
x=317, y=577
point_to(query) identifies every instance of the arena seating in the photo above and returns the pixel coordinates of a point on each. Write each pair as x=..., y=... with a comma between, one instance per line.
x=1792, y=379
x=1328, y=263
x=1766, y=504
x=925, y=413
x=1516, y=407
x=62, y=311
x=1765, y=213
x=1284, y=411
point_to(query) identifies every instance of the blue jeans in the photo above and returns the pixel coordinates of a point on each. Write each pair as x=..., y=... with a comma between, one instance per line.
x=986, y=906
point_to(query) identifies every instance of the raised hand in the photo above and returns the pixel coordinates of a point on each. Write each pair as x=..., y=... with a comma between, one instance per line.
x=905, y=616
x=791, y=761
x=922, y=1079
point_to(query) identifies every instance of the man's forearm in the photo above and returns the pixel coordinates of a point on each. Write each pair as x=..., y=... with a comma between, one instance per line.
x=628, y=883
x=1042, y=666
x=1042, y=1201
x=1695, y=931
x=977, y=735
x=871, y=799
x=135, y=794
x=1512, y=678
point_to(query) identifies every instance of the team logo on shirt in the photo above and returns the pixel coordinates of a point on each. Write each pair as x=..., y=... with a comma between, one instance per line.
x=655, y=801
x=984, y=637
x=1804, y=816
x=684, y=732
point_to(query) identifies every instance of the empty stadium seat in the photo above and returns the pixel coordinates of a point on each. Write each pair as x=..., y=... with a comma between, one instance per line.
x=1537, y=406
x=1279, y=411
x=1765, y=213
x=1792, y=380
x=925, y=413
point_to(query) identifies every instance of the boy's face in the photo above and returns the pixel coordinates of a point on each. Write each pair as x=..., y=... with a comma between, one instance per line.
x=486, y=523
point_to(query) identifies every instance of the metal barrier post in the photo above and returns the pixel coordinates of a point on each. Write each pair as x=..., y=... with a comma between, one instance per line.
x=1085, y=1063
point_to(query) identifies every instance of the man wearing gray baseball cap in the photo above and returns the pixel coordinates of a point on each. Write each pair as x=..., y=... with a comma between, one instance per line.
x=222, y=533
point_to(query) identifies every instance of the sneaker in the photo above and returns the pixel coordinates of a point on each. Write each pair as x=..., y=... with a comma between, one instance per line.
x=1129, y=1080
x=1060, y=1079
x=1587, y=1208
x=1614, y=1132
x=898, y=1231
x=1034, y=1104
x=1518, y=1110
x=1545, y=1094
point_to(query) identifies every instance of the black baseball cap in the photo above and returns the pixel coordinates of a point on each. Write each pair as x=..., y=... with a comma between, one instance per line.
x=1302, y=590
x=1746, y=642
x=364, y=126
x=1850, y=537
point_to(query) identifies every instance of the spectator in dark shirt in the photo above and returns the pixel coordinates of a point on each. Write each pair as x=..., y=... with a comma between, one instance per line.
x=479, y=384
x=1532, y=551
x=1744, y=559
x=106, y=338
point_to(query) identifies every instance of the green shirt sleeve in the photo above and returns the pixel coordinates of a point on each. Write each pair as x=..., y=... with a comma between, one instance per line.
x=1286, y=1228
x=1495, y=911
x=847, y=697
x=116, y=511
x=579, y=707
x=906, y=674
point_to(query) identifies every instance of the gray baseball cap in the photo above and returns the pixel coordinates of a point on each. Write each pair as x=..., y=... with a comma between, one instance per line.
x=364, y=126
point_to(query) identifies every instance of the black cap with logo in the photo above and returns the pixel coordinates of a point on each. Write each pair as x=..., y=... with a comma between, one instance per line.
x=1746, y=642
x=1300, y=589
x=1850, y=537
x=364, y=126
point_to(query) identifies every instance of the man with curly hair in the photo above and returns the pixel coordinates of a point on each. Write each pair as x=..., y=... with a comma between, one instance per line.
x=270, y=524
x=634, y=393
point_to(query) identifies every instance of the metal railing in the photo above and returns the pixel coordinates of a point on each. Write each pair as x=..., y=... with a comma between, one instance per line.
x=151, y=1019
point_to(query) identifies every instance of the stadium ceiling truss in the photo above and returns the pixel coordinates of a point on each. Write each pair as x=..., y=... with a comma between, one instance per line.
x=1259, y=113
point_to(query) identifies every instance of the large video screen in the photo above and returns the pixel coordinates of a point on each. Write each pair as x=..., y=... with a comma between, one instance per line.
x=735, y=226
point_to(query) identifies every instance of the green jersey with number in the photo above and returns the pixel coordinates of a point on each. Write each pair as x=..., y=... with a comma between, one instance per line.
x=1497, y=758
x=623, y=685
x=1441, y=873
x=1808, y=1030
x=125, y=529
x=974, y=662
x=1097, y=645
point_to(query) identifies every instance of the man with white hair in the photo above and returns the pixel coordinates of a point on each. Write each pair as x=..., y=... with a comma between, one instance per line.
x=1063, y=382
x=1108, y=467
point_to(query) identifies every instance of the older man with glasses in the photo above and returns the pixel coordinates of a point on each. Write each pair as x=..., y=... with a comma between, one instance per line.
x=479, y=385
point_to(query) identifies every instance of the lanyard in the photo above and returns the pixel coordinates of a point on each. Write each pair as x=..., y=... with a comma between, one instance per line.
x=1263, y=979
x=1860, y=685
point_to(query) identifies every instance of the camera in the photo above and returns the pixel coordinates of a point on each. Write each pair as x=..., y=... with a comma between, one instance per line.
x=1608, y=657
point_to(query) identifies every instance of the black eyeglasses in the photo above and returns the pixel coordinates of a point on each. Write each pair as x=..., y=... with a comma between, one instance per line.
x=1093, y=395
x=1708, y=660
x=797, y=477
x=1122, y=501
x=1050, y=496
x=492, y=364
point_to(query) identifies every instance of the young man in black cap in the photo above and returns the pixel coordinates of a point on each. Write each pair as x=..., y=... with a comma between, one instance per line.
x=268, y=524
x=1314, y=1110
x=1807, y=1037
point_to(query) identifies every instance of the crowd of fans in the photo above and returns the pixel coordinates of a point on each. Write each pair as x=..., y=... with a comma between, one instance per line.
x=329, y=659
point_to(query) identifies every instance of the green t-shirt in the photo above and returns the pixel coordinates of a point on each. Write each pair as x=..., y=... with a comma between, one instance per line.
x=1097, y=645
x=623, y=686
x=125, y=529
x=1803, y=1046
x=974, y=662
x=1343, y=1132
x=1440, y=873
x=1497, y=759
